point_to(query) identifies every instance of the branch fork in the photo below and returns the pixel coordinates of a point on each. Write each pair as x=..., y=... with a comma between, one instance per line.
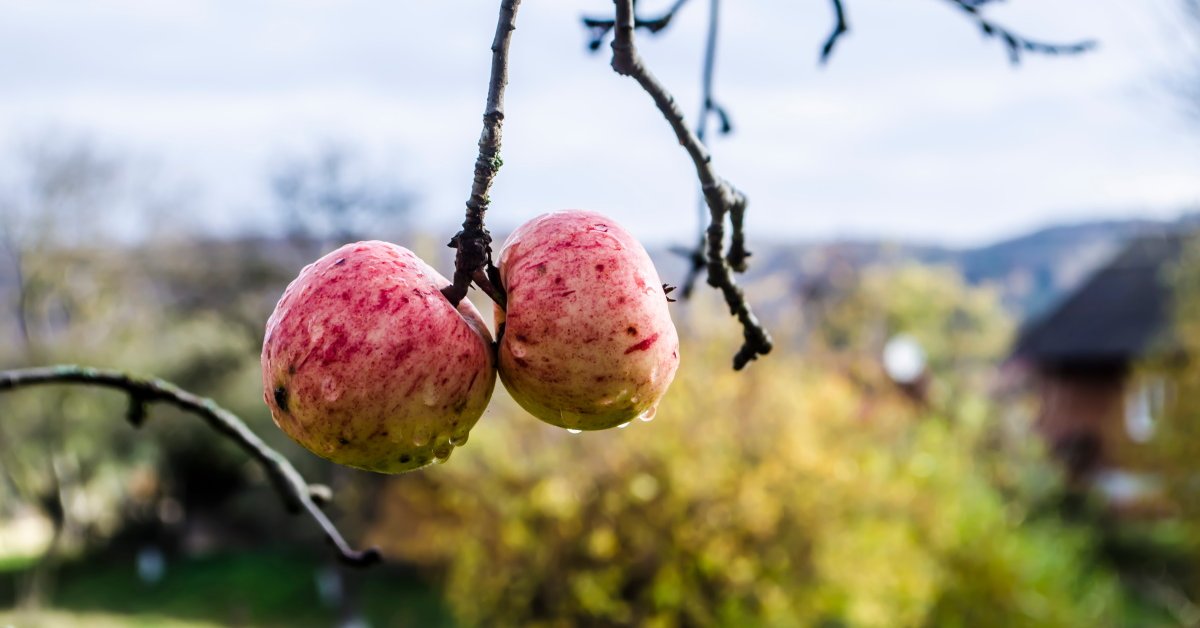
x=723, y=200
x=473, y=259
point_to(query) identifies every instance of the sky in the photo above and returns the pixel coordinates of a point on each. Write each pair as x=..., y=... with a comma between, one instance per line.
x=918, y=128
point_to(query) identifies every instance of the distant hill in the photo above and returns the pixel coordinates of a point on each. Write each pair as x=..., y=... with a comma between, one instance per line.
x=1032, y=271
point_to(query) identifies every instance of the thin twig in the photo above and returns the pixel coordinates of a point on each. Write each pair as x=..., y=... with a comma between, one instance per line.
x=599, y=28
x=291, y=486
x=840, y=27
x=722, y=198
x=473, y=261
x=708, y=108
x=1014, y=43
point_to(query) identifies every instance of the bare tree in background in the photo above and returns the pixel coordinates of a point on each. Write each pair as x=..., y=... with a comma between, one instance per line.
x=51, y=201
x=326, y=198
x=49, y=204
x=331, y=196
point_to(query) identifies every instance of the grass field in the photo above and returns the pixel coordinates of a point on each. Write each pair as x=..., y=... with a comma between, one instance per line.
x=65, y=619
x=243, y=589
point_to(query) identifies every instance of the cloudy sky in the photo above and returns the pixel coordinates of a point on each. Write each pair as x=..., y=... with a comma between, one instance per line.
x=917, y=129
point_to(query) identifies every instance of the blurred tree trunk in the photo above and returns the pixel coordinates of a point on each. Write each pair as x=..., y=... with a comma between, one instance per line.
x=358, y=494
x=36, y=586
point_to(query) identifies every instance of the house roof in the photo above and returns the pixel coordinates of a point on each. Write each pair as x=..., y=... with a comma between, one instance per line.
x=1117, y=315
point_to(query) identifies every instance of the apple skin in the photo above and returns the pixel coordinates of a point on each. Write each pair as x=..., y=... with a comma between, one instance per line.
x=587, y=342
x=367, y=364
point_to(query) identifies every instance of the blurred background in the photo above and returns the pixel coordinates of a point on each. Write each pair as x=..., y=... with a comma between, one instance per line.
x=983, y=408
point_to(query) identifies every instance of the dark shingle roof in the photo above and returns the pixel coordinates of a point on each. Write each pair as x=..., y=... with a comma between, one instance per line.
x=1117, y=315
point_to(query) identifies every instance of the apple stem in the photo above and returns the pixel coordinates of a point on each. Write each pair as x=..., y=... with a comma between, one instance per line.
x=297, y=494
x=473, y=260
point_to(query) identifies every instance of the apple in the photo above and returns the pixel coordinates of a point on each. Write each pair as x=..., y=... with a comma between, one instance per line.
x=587, y=342
x=367, y=364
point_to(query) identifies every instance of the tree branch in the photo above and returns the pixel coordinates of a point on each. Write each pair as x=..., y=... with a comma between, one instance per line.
x=1014, y=43
x=709, y=107
x=599, y=28
x=722, y=198
x=473, y=261
x=291, y=486
x=840, y=27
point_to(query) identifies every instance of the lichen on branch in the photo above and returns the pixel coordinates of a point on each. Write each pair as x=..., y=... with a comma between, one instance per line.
x=473, y=259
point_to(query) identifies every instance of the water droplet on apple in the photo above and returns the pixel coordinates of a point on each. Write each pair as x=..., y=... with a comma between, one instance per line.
x=458, y=440
x=517, y=349
x=574, y=431
x=442, y=453
x=648, y=415
x=420, y=438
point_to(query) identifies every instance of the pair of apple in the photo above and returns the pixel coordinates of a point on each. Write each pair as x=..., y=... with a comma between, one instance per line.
x=366, y=363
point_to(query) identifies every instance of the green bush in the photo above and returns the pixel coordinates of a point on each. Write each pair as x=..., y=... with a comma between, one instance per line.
x=780, y=496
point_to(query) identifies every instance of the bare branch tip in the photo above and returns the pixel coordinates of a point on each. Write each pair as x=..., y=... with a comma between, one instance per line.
x=840, y=28
x=361, y=558
x=321, y=494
